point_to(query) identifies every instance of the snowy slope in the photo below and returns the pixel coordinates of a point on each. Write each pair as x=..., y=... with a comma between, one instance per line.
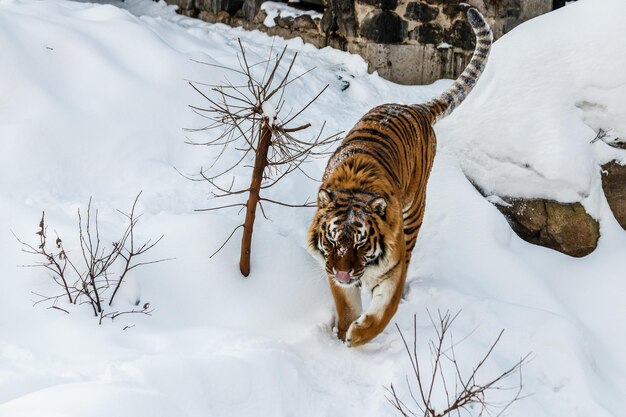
x=93, y=100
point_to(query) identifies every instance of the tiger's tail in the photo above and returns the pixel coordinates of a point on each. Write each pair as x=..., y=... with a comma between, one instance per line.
x=456, y=93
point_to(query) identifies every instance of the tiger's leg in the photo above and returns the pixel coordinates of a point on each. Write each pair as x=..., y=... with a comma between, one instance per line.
x=347, y=304
x=385, y=299
x=412, y=220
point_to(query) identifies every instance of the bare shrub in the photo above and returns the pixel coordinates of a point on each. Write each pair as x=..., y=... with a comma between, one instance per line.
x=467, y=394
x=94, y=274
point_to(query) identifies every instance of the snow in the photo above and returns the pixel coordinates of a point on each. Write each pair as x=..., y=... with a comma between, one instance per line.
x=276, y=9
x=497, y=200
x=93, y=102
x=269, y=111
x=560, y=74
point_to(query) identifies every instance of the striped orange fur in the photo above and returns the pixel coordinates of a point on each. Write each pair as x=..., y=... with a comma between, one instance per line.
x=372, y=199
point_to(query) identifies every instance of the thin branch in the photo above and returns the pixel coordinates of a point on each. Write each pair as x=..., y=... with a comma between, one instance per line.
x=468, y=392
x=307, y=205
x=226, y=241
x=99, y=268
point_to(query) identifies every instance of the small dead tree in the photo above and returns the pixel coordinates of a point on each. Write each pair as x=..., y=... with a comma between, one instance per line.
x=94, y=274
x=248, y=116
x=464, y=394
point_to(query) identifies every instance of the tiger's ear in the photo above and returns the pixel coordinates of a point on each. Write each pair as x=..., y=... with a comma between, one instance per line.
x=379, y=205
x=323, y=198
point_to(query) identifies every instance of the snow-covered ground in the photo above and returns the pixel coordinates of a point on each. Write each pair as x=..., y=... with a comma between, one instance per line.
x=93, y=102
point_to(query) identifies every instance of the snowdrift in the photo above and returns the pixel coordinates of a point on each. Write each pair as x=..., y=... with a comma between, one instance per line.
x=93, y=102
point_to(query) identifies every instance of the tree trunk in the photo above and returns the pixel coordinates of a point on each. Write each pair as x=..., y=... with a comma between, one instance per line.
x=260, y=162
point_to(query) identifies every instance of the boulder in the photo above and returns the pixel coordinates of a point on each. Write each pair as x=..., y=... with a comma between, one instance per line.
x=455, y=9
x=420, y=12
x=565, y=227
x=304, y=22
x=339, y=17
x=384, y=26
x=219, y=17
x=259, y=18
x=428, y=33
x=512, y=8
x=460, y=35
x=251, y=8
x=614, y=186
x=284, y=22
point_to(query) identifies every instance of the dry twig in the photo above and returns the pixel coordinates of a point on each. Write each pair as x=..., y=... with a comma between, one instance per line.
x=96, y=272
x=612, y=141
x=466, y=394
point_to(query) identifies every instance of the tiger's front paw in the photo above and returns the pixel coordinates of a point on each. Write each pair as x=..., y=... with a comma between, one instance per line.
x=361, y=331
x=341, y=333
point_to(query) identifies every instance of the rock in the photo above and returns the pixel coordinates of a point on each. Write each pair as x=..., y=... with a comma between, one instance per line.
x=284, y=22
x=215, y=6
x=328, y=24
x=428, y=33
x=510, y=8
x=381, y=4
x=420, y=12
x=565, y=227
x=384, y=27
x=250, y=9
x=455, y=9
x=220, y=17
x=259, y=18
x=460, y=35
x=339, y=17
x=614, y=186
x=304, y=22
x=188, y=12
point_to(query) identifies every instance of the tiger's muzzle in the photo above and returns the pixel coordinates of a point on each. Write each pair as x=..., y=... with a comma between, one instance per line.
x=343, y=277
x=346, y=278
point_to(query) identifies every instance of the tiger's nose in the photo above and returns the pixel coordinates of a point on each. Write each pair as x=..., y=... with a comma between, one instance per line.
x=343, y=276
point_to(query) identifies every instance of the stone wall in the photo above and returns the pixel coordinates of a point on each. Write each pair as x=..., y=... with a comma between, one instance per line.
x=406, y=41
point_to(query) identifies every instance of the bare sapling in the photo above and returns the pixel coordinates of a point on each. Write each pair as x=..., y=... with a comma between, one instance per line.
x=92, y=274
x=466, y=393
x=247, y=117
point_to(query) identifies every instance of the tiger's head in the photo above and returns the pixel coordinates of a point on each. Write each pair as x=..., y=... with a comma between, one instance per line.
x=352, y=232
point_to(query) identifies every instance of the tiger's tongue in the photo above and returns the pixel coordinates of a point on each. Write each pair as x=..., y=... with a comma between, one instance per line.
x=343, y=276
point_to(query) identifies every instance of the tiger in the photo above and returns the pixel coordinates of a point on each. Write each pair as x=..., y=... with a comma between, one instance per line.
x=371, y=202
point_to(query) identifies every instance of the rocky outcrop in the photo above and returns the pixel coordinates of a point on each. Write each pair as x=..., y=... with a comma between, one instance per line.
x=614, y=186
x=564, y=227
